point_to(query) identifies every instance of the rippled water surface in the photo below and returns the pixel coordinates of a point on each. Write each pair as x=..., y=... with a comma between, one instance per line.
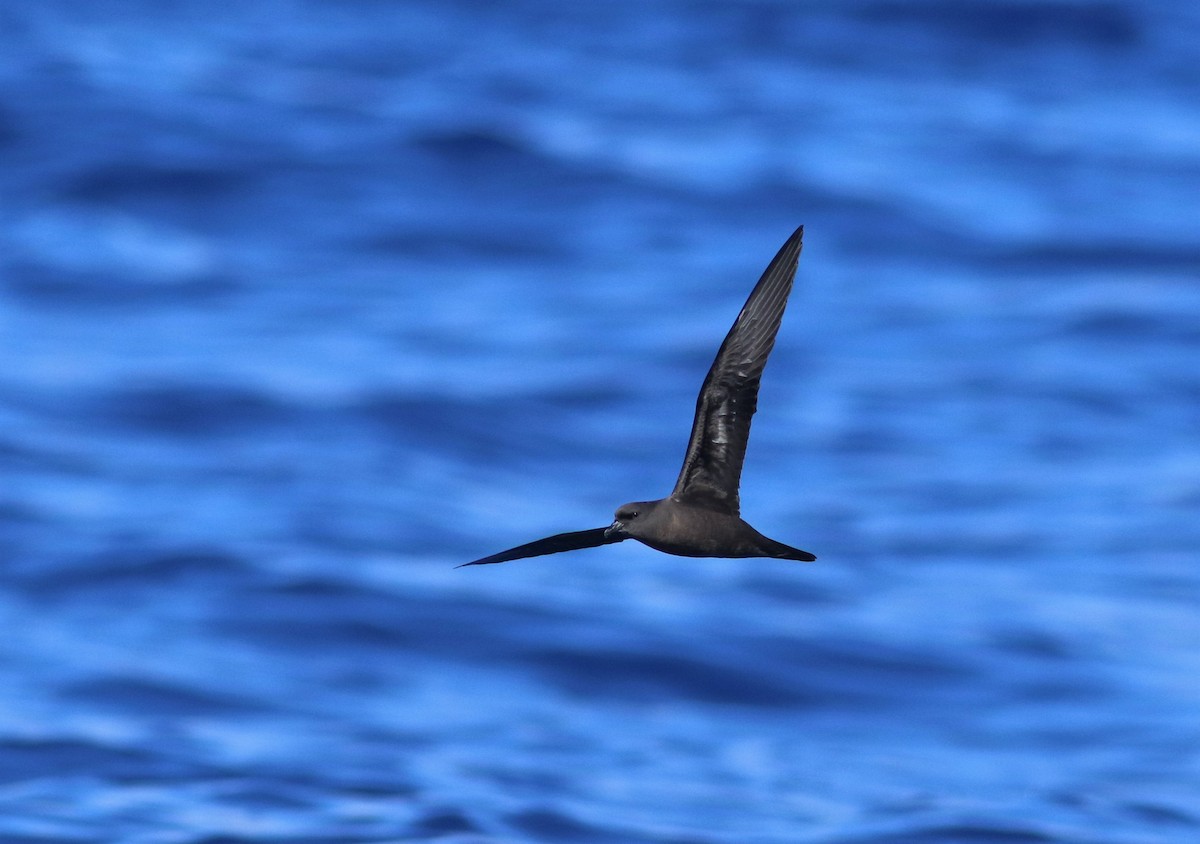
x=302, y=305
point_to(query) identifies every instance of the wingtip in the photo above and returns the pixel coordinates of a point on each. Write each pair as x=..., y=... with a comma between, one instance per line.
x=794, y=243
x=482, y=561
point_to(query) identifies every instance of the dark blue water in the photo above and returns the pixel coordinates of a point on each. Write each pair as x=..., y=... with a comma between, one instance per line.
x=303, y=304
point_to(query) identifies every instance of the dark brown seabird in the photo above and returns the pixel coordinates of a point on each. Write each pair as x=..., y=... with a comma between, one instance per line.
x=701, y=516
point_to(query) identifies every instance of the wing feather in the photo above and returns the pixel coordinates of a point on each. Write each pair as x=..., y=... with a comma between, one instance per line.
x=551, y=545
x=712, y=467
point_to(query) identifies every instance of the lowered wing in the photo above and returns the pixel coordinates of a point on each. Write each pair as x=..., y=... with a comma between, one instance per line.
x=551, y=545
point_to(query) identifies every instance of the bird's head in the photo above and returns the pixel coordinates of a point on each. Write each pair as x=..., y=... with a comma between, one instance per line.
x=629, y=517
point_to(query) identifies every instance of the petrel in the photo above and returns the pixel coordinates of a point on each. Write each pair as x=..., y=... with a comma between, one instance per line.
x=702, y=515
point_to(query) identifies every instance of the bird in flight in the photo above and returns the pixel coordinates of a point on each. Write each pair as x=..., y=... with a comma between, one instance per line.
x=702, y=515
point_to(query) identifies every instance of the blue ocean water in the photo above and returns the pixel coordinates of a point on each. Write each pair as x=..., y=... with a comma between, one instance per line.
x=301, y=305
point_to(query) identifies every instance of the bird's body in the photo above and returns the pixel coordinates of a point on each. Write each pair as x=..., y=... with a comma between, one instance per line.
x=688, y=531
x=702, y=515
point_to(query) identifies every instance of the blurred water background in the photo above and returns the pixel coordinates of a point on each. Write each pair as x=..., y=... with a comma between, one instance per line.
x=302, y=304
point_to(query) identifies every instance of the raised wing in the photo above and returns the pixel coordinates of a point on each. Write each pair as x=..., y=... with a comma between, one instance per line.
x=712, y=467
x=551, y=545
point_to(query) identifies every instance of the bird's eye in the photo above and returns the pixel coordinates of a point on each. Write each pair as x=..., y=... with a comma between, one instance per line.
x=633, y=514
